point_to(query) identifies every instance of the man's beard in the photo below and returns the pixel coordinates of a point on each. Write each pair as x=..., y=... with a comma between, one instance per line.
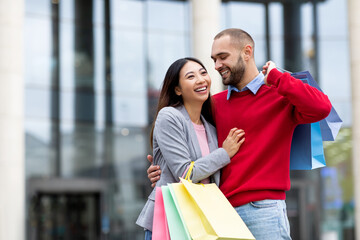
x=236, y=73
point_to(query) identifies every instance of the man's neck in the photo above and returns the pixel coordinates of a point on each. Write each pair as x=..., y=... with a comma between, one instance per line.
x=250, y=73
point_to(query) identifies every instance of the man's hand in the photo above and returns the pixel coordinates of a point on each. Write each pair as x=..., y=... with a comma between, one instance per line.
x=153, y=171
x=267, y=69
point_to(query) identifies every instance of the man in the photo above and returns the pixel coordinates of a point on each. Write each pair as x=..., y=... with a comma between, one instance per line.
x=268, y=108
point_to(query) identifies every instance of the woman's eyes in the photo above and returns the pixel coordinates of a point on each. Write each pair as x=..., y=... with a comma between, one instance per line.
x=203, y=73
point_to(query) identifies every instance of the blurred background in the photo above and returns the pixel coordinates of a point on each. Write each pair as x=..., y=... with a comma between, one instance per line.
x=81, y=81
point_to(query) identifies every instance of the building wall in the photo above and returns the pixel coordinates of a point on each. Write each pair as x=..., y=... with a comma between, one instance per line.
x=12, y=182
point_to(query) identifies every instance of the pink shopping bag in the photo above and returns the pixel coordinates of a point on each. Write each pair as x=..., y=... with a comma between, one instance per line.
x=160, y=229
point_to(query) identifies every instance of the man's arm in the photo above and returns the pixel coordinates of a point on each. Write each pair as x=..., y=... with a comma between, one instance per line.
x=310, y=104
x=153, y=171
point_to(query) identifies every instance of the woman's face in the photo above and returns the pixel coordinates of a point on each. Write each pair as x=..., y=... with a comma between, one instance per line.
x=194, y=83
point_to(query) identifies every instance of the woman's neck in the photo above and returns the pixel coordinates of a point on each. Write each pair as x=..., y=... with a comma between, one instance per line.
x=194, y=111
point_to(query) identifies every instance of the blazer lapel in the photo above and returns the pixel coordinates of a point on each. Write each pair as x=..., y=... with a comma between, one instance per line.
x=212, y=141
x=212, y=138
x=193, y=137
x=194, y=143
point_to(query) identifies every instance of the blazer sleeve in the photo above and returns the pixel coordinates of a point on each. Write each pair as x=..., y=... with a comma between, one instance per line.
x=170, y=134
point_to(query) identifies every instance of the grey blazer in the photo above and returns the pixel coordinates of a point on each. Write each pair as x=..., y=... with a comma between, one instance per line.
x=175, y=145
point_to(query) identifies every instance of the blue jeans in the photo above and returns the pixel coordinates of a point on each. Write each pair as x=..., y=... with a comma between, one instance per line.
x=148, y=235
x=266, y=219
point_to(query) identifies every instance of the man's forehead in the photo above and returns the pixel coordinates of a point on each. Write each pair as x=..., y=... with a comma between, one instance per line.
x=222, y=45
x=226, y=39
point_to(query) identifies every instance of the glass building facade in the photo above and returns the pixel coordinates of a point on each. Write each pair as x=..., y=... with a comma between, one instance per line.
x=93, y=69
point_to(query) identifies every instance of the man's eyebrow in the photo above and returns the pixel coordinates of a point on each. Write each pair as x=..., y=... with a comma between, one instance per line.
x=218, y=54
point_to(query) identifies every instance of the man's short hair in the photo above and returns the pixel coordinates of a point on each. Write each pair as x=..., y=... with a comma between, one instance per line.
x=238, y=36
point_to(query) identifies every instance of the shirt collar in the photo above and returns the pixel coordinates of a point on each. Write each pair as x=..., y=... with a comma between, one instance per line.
x=253, y=86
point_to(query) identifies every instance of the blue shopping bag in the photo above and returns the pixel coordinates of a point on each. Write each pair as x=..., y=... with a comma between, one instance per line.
x=330, y=125
x=307, y=150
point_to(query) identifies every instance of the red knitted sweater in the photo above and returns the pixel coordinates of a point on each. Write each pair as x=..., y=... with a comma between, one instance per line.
x=260, y=170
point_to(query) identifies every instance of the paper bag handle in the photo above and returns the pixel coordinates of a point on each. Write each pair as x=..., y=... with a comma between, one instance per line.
x=187, y=177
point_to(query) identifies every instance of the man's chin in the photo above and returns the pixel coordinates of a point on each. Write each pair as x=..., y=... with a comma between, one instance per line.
x=226, y=81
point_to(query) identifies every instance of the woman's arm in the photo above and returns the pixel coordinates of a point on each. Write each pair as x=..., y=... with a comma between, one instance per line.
x=170, y=135
x=154, y=171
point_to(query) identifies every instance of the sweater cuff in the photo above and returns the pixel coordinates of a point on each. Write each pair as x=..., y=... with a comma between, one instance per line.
x=273, y=77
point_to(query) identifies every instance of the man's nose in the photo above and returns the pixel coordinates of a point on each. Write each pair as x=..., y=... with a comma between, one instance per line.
x=217, y=65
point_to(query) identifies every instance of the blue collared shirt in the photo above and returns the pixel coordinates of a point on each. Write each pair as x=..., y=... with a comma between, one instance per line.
x=253, y=86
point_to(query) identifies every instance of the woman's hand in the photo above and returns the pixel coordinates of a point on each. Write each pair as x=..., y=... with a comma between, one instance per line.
x=233, y=141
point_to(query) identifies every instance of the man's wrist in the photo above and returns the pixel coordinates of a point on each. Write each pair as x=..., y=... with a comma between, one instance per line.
x=273, y=77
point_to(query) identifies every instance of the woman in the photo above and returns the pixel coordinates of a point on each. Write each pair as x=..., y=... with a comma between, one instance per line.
x=182, y=132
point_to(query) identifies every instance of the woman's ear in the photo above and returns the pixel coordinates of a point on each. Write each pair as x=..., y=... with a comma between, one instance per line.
x=178, y=91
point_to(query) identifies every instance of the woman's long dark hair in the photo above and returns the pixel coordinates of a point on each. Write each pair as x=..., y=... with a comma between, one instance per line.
x=168, y=96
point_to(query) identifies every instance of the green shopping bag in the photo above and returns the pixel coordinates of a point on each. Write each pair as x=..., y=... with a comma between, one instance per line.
x=177, y=228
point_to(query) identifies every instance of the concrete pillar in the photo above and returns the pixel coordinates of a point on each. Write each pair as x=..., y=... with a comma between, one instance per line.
x=205, y=25
x=354, y=39
x=292, y=36
x=12, y=183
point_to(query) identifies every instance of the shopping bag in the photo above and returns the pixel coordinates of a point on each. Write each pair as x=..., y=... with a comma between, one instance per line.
x=330, y=125
x=160, y=229
x=307, y=150
x=177, y=228
x=207, y=213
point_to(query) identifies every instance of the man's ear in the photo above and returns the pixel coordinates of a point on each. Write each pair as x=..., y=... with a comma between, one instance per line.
x=248, y=52
x=178, y=91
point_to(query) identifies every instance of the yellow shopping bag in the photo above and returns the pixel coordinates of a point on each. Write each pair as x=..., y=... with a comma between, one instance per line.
x=207, y=213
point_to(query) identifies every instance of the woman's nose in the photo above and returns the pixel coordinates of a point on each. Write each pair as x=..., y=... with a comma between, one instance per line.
x=200, y=79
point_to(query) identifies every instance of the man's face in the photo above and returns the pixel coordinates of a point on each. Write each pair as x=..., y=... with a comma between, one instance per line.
x=228, y=61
